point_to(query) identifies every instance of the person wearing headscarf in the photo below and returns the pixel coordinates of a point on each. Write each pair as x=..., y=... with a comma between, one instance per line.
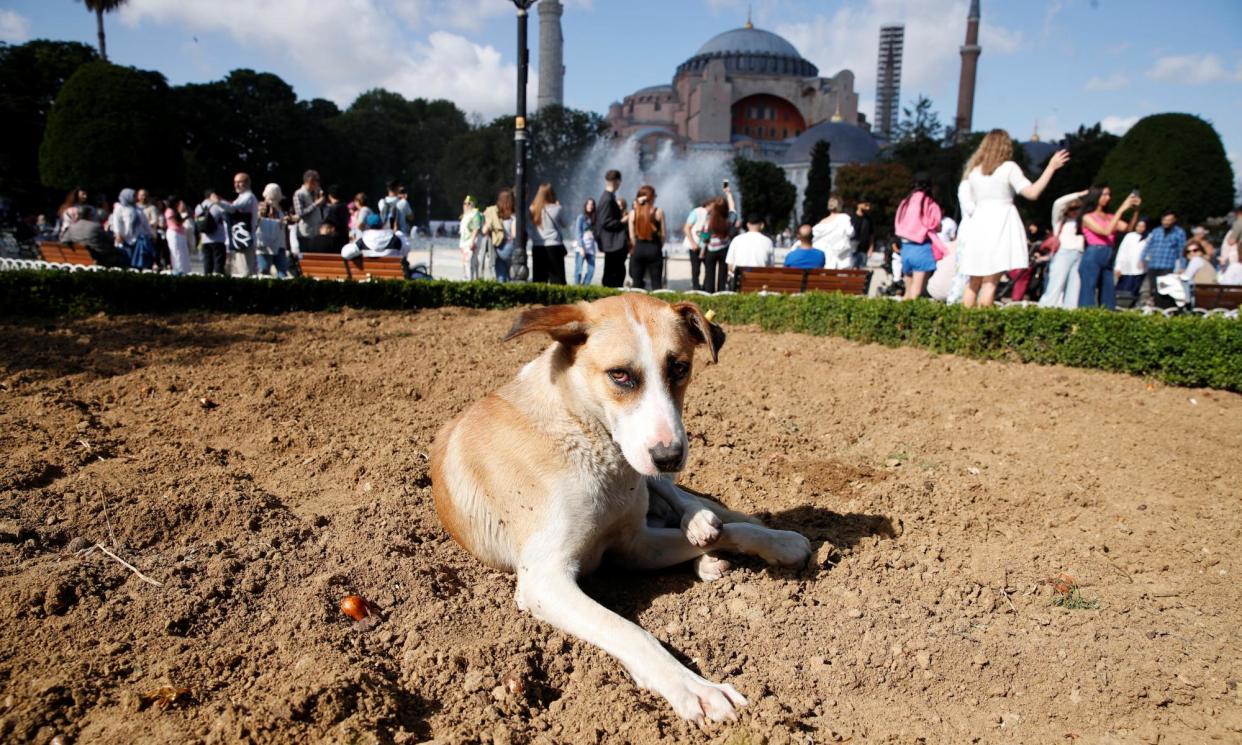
x=271, y=237
x=128, y=223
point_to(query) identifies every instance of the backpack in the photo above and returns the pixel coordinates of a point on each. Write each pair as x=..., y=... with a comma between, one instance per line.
x=205, y=223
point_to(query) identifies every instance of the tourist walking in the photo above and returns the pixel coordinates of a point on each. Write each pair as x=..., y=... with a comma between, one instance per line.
x=209, y=224
x=1128, y=270
x=611, y=234
x=694, y=238
x=647, y=238
x=917, y=225
x=1098, y=228
x=996, y=241
x=154, y=212
x=1164, y=248
x=131, y=232
x=721, y=217
x=502, y=238
x=548, y=237
x=471, y=224
x=177, y=235
x=271, y=237
x=1061, y=289
x=832, y=236
x=585, y=247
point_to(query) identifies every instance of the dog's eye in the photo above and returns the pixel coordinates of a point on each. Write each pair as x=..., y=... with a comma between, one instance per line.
x=622, y=377
x=678, y=370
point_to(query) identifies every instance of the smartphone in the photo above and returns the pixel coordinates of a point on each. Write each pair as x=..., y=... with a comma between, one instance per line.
x=1136, y=193
x=724, y=184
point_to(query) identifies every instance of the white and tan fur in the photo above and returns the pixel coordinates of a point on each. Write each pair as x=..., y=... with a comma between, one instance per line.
x=557, y=471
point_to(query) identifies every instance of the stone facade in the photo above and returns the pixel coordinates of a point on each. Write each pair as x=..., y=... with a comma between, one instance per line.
x=746, y=89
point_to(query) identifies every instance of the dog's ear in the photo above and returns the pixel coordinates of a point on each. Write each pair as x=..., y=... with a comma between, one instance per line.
x=564, y=323
x=702, y=330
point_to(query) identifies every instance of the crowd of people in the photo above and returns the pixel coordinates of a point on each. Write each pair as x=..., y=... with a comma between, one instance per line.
x=1088, y=257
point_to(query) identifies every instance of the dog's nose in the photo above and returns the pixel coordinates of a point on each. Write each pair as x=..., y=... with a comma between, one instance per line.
x=667, y=457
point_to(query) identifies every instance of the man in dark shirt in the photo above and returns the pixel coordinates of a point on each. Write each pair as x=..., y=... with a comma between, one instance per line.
x=610, y=232
x=864, y=234
x=336, y=214
x=325, y=242
x=84, y=230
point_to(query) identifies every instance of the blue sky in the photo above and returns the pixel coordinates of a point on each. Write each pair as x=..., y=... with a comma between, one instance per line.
x=1053, y=64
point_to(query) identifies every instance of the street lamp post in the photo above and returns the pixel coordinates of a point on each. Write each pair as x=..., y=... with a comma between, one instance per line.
x=519, y=144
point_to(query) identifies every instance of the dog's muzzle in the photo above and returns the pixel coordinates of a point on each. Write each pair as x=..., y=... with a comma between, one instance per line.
x=668, y=457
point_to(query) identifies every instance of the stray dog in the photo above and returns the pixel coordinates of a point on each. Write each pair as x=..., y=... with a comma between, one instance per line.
x=560, y=470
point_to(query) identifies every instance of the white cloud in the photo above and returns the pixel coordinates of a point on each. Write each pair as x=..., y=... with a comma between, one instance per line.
x=348, y=48
x=934, y=31
x=14, y=27
x=1193, y=69
x=1118, y=125
x=1114, y=82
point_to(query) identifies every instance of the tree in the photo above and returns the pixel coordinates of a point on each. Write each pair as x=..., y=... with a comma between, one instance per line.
x=109, y=128
x=1089, y=148
x=818, y=184
x=885, y=184
x=765, y=192
x=1178, y=162
x=919, y=124
x=479, y=162
x=99, y=7
x=558, y=138
x=30, y=76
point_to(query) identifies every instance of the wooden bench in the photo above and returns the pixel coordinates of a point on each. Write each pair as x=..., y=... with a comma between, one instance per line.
x=786, y=280
x=1211, y=297
x=65, y=253
x=332, y=266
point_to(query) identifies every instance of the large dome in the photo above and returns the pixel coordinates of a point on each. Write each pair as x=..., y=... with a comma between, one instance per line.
x=749, y=41
x=847, y=143
x=750, y=51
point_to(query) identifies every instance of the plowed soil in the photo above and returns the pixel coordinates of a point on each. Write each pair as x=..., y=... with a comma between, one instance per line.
x=260, y=468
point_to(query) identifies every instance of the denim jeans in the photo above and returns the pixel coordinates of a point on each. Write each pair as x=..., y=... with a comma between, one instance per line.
x=1096, y=274
x=279, y=260
x=579, y=260
x=1063, y=280
x=504, y=255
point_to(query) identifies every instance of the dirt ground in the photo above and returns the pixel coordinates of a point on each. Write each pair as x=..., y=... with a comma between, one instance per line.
x=941, y=494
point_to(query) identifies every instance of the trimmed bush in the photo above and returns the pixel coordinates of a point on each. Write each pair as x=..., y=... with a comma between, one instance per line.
x=1185, y=350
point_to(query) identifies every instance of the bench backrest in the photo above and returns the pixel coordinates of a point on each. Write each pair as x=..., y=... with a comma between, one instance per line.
x=784, y=279
x=332, y=266
x=1225, y=297
x=66, y=253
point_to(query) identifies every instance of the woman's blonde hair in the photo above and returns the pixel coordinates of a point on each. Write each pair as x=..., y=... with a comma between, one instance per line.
x=545, y=196
x=996, y=148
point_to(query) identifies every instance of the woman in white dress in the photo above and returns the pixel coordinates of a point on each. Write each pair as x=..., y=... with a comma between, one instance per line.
x=996, y=239
x=832, y=236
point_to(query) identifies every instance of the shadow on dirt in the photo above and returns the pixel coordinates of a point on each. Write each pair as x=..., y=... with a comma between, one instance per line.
x=115, y=346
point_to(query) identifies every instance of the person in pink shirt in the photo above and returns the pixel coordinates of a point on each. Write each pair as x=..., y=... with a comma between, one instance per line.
x=917, y=223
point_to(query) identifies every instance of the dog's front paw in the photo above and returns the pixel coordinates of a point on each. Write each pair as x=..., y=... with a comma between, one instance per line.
x=699, y=700
x=711, y=568
x=787, y=548
x=702, y=528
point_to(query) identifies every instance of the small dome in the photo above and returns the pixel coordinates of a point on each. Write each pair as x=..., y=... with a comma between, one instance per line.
x=749, y=41
x=847, y=144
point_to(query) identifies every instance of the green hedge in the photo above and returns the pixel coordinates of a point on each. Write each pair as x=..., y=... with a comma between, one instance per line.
x=1186, y=350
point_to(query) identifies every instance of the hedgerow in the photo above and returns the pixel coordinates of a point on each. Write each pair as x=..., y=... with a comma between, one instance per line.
x=1184, y=350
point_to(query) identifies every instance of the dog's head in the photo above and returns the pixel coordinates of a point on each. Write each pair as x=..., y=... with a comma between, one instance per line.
x=626, y=361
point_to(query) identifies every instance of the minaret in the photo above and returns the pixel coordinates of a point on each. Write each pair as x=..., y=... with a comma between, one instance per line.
x=551, y=55
x=970, y=66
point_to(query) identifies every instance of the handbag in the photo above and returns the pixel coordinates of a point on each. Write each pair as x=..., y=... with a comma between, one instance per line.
x=1052, y=243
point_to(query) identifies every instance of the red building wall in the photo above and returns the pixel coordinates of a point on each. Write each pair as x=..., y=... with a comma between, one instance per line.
x=764, y=117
